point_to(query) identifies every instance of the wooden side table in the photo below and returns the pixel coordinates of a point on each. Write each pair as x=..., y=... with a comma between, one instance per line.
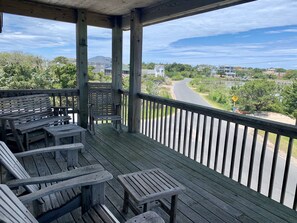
x=63, y=131
x=145, y=187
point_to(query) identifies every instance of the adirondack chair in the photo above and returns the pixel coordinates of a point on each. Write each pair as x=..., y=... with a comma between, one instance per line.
x=102, y=105
x=90, y=178
x=13, y=210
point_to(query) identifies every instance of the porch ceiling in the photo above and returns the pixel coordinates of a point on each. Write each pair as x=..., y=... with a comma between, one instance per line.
x=101, y=12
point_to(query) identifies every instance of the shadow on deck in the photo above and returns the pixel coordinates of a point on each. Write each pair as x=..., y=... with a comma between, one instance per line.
x=209, y=197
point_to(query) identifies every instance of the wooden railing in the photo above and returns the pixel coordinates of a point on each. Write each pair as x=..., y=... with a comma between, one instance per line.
x=59, y=97
x=124, y=106
x=257, y=153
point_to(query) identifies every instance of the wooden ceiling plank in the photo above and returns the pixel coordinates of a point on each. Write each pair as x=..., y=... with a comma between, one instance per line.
x=175, y=9
x=44, y=11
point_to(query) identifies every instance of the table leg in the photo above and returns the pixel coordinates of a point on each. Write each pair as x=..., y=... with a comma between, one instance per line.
x=58, y=155
x=145, y=208
x=126, y=202
x=173, y=209
x=83, y=140
x=46, y=138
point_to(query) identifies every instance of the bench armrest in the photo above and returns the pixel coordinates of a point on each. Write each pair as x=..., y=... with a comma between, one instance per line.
x=66, y=147
x=86, y=180
x=60, y=110
x=56, y=177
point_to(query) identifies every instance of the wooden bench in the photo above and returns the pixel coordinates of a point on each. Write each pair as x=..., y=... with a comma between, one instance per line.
x=21, y=116
x=103, y=106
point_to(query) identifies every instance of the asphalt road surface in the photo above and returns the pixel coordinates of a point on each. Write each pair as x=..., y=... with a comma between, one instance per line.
x=184, y=93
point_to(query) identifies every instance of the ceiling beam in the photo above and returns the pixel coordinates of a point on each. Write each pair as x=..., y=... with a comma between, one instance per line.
x=44, y=11
x=175, y=9
x=1, y=22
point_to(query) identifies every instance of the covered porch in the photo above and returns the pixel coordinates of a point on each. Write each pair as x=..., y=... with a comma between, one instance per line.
x=208, y=146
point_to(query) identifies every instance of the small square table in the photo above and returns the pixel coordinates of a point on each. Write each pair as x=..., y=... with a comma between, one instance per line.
x=144, y=187
x=63, y=131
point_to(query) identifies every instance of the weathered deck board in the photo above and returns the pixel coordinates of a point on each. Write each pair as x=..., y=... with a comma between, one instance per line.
x=209, y=197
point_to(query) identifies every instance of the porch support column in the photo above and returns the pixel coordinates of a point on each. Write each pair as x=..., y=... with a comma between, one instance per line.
x=82, y=67
x=1, y=21
x=117, y=61
x=135, y=71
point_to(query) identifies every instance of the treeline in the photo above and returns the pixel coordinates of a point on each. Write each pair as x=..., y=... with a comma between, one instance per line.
x=23, y=71
x=253, y=96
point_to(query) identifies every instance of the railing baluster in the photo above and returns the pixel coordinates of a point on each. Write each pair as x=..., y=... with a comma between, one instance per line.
x=242, y=153
x=150, y=120
x=157, y=125
x=235, y=136
x=142, y=118
x=252, y=158
x=146, y=118
x=190, y=135
x=154, y=121
x=197, y=137
x=295, y=200
x=274, y=160
x=73, y=109
x=225, y=148
x=217, y=145
x=180, y=129
x=210, y=141
x=165, y=126
x=203, y=139
x=170, y=126
x=286, y=171
x=262, y=158
x=175, y=128
x=185, y=133
x=161, y=127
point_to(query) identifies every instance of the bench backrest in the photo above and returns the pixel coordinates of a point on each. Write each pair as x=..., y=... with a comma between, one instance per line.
x=36, y=106
x=10, y=162
x=12, y=209
x=21, y=104
x=101, y=98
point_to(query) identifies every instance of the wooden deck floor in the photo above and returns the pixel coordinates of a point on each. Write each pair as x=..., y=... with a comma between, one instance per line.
x=209, y=197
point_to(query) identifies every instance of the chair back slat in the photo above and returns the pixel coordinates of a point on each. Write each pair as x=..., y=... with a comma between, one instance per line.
x=12, y=209
x=10, y=162
x=102, y=99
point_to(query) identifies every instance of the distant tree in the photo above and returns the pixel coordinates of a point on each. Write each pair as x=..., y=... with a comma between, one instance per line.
x=291, y=74
x=60, y=60
x=289, y=98
x=257, y=95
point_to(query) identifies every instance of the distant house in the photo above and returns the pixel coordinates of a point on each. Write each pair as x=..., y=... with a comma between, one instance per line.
x=273, y=71
x=125, y=70
x=159, y=70
x=227, y=70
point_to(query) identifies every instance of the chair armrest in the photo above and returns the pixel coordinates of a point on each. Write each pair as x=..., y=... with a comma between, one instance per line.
x=86, y=180
x=56, y=177
x=67, y=147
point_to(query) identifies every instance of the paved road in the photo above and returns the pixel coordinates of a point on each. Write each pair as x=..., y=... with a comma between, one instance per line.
x=183, y=93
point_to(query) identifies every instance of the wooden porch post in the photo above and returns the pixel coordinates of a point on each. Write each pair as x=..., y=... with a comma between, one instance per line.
x=1, y=21
x=82, y=67
x=135, y=71
x=117, y=61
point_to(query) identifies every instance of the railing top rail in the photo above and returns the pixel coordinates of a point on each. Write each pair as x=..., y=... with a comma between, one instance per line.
x=39, y=91
x=266, y=125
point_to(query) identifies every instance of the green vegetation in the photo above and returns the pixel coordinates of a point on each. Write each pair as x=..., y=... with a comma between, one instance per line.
x=23, y=71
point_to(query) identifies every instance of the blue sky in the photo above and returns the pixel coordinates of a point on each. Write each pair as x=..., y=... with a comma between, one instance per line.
x=257, y=34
